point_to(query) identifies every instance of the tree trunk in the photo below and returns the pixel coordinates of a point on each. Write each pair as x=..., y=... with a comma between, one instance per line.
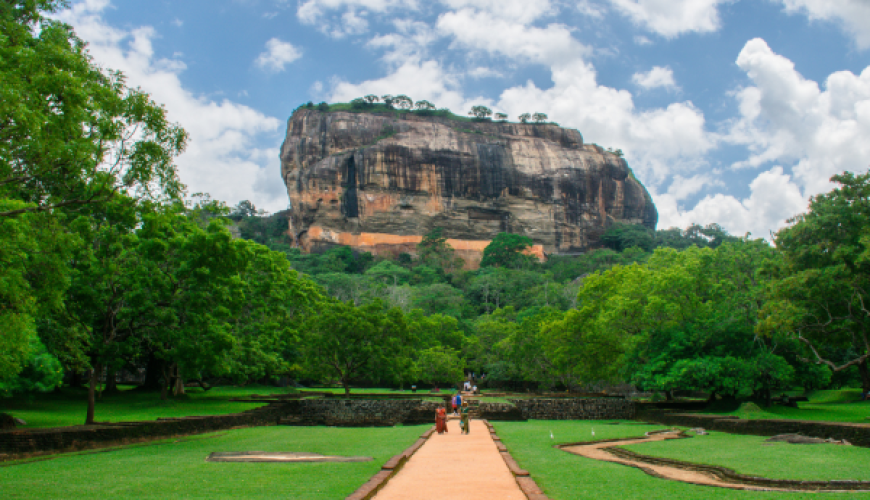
x=865, y=376
x=153, y=373
x=164, y=382
x=111, y=384
x=346, y=387
x=92, y=388
x=179, y=383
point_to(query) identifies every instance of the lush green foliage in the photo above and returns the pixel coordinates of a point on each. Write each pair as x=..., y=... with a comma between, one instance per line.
x=507, y=250
x=821, y=291
x=106, y=269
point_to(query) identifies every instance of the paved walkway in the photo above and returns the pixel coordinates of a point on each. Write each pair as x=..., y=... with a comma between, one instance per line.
x=455, y=466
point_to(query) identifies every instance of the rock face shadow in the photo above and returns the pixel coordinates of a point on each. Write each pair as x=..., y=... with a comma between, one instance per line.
x=279, y=457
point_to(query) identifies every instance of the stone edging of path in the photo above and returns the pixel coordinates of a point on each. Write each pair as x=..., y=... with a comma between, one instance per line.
x=723, y=474
x=389, y=469
x=526, y=483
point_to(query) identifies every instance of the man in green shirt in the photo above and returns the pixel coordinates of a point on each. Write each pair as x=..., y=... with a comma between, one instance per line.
x=463, y=418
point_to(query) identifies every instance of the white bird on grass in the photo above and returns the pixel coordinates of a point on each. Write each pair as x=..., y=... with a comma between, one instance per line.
x=593, y=431
x=551, y=435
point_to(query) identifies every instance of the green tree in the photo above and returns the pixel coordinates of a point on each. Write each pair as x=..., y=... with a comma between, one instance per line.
x=403, y=102
x=440, y=364
x=424, y=105
x=73, y=134
x=528, y=350
x=371, y=99
x=480, y=112
x=42, y=372
x=620, y=237
x=507, y=250
x=525, y=117
x=109, y=276
x=343, y=342
x=387, y=272
x=35, y=252
x=501, y=117
x=435, y=250
x=436, y=330
x=539, y=117
x=820, y=292
x=439, y=298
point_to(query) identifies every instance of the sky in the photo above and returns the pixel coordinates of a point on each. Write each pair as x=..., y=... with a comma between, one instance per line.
x=733, y=112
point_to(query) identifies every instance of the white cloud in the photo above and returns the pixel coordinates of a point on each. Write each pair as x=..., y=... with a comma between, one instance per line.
x=658, y=143
x=277, y=55
x=671, y=18
x=483, y=72
x=518, y=11
x=420, y=80
x=642, y=40
x=590, y=9
x=773, y=199
x=551, y=45
x=225, y=156
x=787, y=118
x=178, y=22
x=410, y=41
x=852, y=15
x=658, y=76
x=352, y=20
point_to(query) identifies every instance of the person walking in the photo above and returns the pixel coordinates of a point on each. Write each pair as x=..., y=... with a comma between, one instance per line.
x=463, y=419
x=457, y=402
x=441, y=420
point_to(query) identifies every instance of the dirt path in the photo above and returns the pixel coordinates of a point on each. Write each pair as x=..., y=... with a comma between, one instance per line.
x=455, y=466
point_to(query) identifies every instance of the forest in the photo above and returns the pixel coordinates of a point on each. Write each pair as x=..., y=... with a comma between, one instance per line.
x=108, y=265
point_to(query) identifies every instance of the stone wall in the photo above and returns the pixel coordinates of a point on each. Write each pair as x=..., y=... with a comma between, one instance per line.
x=365, y=413
x=358, y=413
x=500, y=411
x=576, y=409
x=857, y=434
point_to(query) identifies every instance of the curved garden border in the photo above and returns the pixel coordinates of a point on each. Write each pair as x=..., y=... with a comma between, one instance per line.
x=713, y=475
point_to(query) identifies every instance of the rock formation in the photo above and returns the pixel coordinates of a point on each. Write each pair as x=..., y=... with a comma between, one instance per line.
x=379, y=182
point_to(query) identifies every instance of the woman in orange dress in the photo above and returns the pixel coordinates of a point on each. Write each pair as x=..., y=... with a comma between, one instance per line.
x=441, y=420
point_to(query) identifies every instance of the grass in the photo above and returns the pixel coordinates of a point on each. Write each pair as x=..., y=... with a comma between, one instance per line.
x=68, y=406
x=177, y=469
x=829, y=406
x=564, y=476
x=751, y=455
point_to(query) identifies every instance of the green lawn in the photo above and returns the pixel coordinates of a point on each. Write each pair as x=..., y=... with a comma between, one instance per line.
x=68, y=406
x=830, y=406
x=177, y=469
x=564, y=476
x=752, y=456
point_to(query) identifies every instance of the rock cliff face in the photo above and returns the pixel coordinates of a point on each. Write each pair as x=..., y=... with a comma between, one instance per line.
x=379, y=183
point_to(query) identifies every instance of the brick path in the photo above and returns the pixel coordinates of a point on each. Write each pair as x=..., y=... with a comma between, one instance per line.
x=455, y=466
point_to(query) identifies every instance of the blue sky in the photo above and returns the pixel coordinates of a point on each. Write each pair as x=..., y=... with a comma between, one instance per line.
x=729, y=111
